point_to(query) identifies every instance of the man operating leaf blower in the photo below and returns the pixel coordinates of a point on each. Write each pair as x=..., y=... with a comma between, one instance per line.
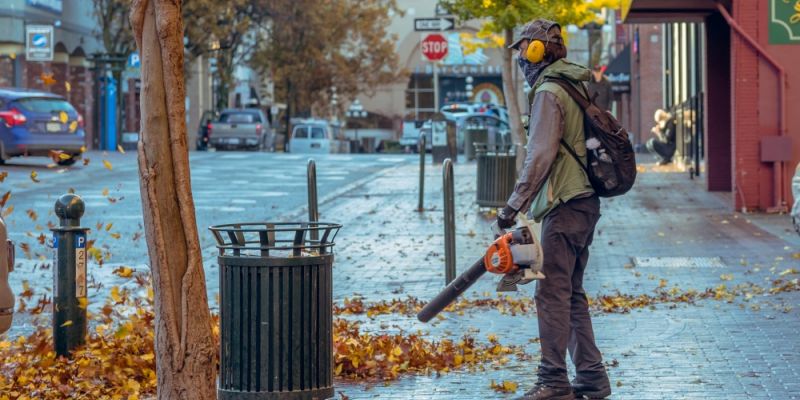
x=576, y=153
x=554, y=185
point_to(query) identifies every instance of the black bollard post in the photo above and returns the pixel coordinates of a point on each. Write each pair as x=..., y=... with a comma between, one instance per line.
x=421, y=146
x=69, y=276
x=313, y=206
x=449, y=222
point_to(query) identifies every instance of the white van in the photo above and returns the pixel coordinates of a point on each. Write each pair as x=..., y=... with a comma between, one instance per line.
x=312, y=137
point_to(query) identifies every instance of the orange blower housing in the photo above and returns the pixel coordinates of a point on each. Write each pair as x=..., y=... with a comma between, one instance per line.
x=498, y=258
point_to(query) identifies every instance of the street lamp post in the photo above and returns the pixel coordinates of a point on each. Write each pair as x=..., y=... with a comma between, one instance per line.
x=334, y=103
x=355, y=111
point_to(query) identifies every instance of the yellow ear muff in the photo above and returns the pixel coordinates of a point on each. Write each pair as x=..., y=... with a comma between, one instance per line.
x=535, y=52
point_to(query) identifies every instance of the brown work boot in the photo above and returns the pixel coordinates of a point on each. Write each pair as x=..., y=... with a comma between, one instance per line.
x=590, y=392
x=544, y=392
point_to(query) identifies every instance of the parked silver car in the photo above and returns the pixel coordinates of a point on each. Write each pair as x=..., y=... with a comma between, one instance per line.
x=241, y=128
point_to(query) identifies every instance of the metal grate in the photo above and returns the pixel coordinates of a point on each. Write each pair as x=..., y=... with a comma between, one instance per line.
x=679, y=262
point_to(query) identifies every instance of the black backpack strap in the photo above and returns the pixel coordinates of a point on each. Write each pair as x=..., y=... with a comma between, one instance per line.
x=584, y=103
x=574, y=155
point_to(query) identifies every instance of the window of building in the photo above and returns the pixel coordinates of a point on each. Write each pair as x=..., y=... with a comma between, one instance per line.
x=419, y=97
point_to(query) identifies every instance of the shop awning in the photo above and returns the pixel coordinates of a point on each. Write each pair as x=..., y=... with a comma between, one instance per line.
x=619, y=71
x=656, y=11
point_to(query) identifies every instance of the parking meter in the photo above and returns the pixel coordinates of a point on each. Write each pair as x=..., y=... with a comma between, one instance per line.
x=69, y=276
x=6, y=266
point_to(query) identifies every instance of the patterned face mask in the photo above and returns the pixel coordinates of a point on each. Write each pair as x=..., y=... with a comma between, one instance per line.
x=531, y=70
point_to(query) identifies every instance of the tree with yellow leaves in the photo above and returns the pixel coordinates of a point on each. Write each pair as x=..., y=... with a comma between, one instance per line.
x=502, y=16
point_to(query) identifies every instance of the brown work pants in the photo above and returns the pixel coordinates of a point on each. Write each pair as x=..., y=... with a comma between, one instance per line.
x=561, y=303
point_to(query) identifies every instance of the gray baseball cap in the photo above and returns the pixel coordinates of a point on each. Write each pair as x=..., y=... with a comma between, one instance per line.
x=540, y=29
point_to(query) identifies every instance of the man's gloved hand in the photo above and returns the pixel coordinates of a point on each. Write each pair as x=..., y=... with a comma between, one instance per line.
x=506, y=217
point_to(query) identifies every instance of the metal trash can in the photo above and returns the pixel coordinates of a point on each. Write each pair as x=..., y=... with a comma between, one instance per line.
x=276, y=310
x=497, y=174
x=473, y=135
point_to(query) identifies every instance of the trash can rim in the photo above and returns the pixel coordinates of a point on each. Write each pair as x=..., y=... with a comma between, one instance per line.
x=277, y=226
x=265, y=237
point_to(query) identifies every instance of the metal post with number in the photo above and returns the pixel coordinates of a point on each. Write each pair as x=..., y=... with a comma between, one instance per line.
x=69, y=276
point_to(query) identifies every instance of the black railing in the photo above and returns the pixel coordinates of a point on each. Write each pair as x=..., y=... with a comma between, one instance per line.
x=689, y=135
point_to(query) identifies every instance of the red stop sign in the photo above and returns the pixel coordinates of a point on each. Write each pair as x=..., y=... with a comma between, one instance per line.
x=434, y=47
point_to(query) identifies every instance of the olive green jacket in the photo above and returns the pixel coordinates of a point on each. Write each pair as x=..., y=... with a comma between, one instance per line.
x=551, y=176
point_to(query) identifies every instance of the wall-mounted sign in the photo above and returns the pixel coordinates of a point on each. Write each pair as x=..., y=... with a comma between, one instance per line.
x=39, y=43
x=54, y=6
x=133, y=60
x=784, y=21
x=462, y=70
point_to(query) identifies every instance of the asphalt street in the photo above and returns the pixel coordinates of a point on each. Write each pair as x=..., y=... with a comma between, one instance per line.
x=228, y=187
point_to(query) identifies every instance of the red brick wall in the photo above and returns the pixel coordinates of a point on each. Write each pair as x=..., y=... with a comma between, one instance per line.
x=788, y=56
x=81, y=95
x=132, y=117
x=756, y=107
x=646, y=81
x=6, y=72
x=752, y=178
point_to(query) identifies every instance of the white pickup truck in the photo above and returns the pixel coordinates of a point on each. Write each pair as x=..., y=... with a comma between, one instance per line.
x=241, y=128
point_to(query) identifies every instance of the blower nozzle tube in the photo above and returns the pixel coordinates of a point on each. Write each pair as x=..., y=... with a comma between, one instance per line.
x=452, y=291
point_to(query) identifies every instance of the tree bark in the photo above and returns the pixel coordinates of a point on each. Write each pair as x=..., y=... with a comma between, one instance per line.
x=509, y=92
x=185, y=351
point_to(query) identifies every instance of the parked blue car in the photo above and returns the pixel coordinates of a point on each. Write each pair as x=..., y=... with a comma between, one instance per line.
x=34, y=123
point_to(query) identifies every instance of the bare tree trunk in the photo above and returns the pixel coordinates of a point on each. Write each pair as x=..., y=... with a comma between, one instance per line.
x=185, y=351
x=514, y=113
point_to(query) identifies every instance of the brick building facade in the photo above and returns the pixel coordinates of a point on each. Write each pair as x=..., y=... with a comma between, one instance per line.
x=69, y=73
x=744, y=64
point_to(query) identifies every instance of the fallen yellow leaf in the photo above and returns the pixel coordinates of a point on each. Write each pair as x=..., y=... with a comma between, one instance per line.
x=67, y=323
x=120, y=149
x=123, y=272
x=108, y=165
x=34, y=176
x=115, y=294
x=4, y=199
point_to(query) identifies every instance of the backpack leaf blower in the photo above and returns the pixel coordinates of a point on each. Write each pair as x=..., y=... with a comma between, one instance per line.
x=517, y=255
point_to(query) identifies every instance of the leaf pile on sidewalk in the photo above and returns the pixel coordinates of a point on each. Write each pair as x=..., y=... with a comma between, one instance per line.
x=118, y=360
x=605, y=303
x=361, y=355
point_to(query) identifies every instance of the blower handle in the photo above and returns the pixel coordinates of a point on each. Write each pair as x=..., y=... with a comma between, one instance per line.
x=452, y=291
x=497, y=230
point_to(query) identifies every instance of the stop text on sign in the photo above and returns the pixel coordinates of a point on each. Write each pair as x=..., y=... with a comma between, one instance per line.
x=434, y=47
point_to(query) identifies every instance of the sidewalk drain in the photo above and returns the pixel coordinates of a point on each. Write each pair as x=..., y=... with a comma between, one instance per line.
x=679, y=262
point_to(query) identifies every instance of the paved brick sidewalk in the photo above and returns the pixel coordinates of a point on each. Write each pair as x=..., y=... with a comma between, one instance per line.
x=668, y=228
